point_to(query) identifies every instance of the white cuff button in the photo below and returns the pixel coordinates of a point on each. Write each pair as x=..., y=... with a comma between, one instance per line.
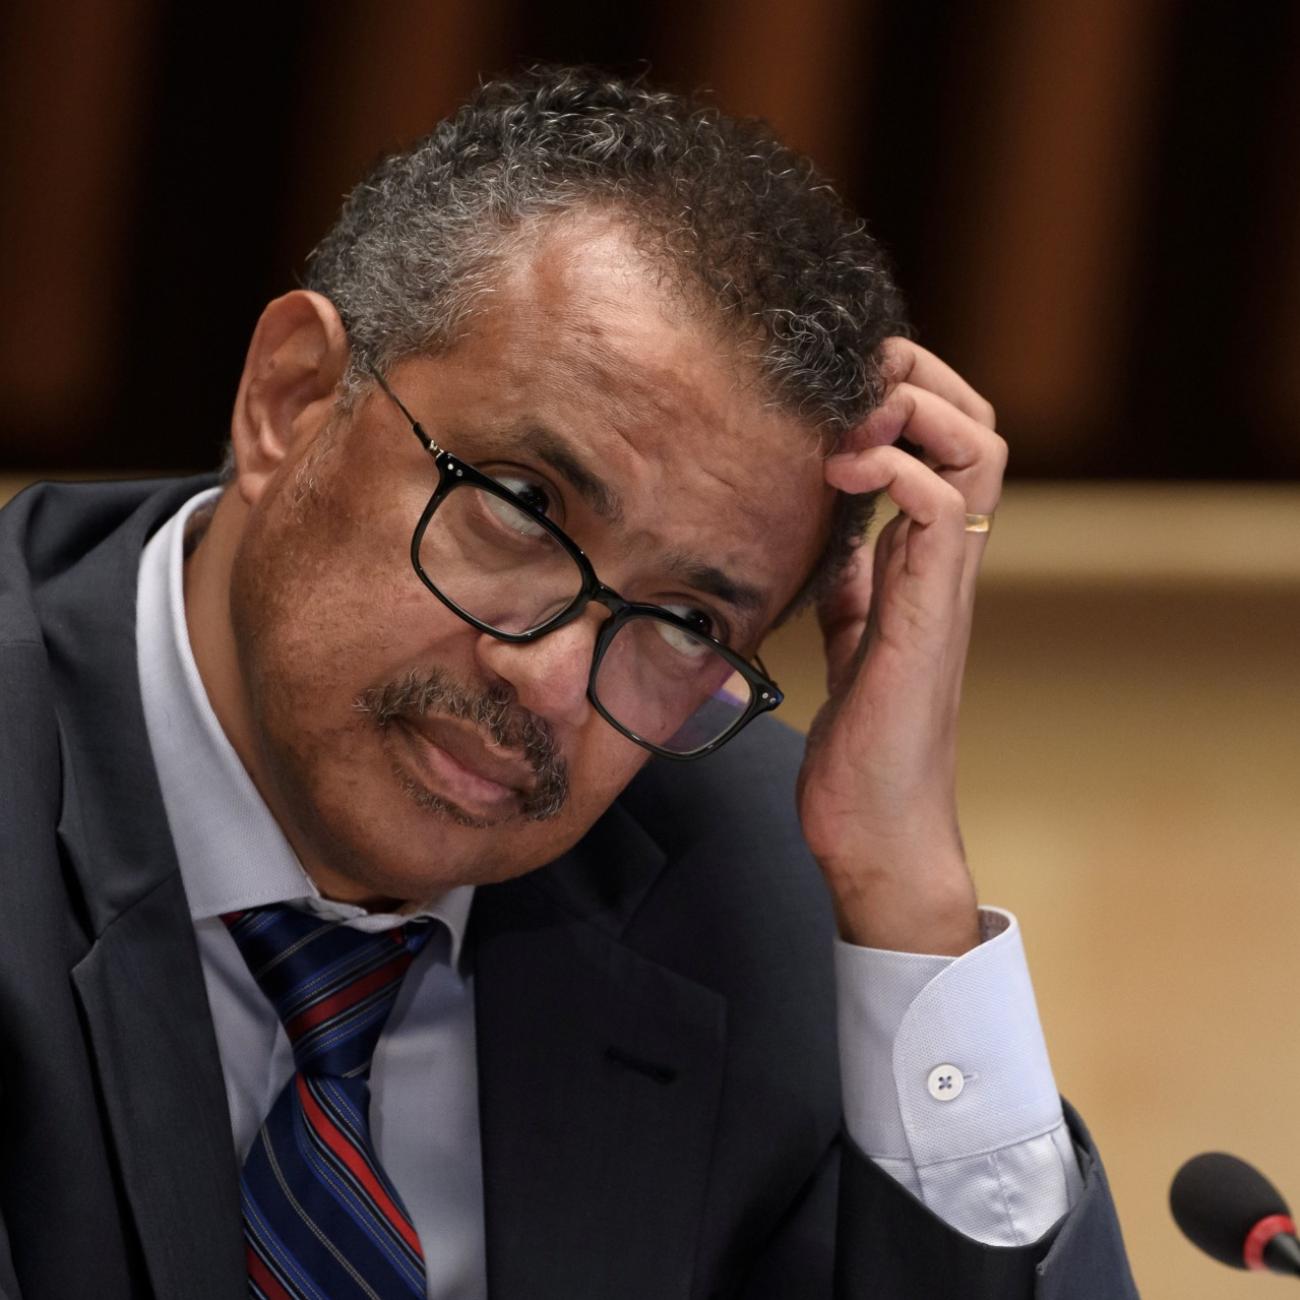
x=945, y=1083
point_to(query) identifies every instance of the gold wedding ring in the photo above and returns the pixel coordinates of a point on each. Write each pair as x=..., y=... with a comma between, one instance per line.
x=979, y=523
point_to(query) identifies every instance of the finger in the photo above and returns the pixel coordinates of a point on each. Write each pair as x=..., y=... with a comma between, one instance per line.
x=927, y=498
x=848, y=600
x=936, y=508
x=905, y=362
x=963, y=451
x=844, y=612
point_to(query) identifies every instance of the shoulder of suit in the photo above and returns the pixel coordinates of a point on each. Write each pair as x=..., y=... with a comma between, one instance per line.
x=701, y=849
x=46, y=532
x=48, y=528
x=739, y=903
x=741, y=798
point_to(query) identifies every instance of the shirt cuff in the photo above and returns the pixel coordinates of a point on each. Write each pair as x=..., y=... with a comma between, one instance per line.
x=942, y=1058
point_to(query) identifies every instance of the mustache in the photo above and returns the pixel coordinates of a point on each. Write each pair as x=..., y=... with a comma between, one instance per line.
x=495, y=713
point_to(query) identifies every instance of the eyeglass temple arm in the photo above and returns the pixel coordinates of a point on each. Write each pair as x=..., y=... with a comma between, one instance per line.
x=416, y=427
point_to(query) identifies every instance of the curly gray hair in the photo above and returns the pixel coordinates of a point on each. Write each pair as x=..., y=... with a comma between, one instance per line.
x=737, y=221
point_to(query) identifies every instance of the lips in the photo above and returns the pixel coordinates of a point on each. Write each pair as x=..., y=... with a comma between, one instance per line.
x=462, y=767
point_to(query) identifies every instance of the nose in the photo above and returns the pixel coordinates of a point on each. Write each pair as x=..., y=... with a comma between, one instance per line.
x=549, y=676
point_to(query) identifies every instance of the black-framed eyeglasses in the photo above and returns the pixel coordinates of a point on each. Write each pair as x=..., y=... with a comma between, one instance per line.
x=508, y=570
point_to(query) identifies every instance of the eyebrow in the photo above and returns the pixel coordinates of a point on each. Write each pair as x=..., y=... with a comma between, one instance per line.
x=605, y=501
x=714, y=582
x=593, y=489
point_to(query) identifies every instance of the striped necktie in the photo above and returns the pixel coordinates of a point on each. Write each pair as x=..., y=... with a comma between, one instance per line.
x=321, y=1219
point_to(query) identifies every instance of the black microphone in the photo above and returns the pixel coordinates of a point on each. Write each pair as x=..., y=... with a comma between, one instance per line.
x=1231, y=1211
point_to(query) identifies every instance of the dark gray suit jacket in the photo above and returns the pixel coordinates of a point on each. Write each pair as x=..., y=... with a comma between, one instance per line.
x=659, y=1082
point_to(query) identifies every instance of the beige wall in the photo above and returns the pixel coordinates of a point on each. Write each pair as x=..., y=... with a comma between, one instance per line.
x=1130, y=759
x=1129, y=771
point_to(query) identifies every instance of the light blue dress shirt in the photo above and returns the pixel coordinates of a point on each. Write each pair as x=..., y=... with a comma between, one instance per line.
x=945, y=1075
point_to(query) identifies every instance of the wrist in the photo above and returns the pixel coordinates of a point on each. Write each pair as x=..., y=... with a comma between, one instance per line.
x=931, y=910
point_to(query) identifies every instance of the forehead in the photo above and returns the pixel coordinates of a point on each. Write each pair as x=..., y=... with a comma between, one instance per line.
x=584, y=348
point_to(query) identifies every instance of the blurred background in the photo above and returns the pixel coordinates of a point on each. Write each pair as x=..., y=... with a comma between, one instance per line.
x=1094, y=208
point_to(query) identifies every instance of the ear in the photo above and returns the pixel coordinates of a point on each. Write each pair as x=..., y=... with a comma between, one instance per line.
x=295, y=361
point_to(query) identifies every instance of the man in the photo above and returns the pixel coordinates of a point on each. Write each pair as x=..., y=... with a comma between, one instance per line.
x=353, y=942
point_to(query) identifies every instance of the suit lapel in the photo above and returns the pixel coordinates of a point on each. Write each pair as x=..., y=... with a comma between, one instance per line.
x=600, y=1075
x=140, y=984
x=141, y=991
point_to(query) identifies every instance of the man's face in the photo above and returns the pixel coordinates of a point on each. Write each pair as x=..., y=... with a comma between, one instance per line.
x=408, y=750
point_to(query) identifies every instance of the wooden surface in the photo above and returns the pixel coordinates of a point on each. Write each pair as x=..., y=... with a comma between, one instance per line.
x=1130, y=762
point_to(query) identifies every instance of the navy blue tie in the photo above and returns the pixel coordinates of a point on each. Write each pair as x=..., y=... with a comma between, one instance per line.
x=321, y=1219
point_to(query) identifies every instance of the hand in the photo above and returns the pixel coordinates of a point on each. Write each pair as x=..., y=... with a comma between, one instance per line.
x=877, y=792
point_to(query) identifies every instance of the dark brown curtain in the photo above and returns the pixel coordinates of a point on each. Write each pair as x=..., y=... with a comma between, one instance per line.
x=1094, y=205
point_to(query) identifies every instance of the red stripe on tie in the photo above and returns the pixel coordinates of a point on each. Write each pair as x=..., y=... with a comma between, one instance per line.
x=263, y=1277
x=389, y=973
x=356, y=1162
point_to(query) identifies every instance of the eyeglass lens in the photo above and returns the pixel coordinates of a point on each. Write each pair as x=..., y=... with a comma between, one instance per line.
x=499, y=566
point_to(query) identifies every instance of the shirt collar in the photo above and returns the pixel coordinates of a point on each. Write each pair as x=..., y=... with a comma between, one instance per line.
x=232, y=852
